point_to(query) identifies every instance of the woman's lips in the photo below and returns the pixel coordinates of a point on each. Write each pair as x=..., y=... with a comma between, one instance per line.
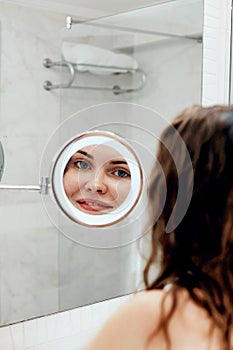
x=93, y=205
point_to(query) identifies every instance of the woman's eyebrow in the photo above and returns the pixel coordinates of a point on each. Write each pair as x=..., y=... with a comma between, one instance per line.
x=118, y=162
x=85, y=153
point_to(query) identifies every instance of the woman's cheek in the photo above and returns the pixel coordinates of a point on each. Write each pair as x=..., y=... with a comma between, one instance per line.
x=122, y=190
x=70, y=182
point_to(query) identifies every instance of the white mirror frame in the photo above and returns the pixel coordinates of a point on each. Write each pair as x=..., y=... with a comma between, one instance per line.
x=58, y=168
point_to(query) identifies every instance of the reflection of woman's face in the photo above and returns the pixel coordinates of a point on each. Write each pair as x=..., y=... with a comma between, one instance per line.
x=97, y=179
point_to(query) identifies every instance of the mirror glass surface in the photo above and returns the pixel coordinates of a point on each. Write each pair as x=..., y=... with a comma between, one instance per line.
x=163, y=43
x=152, y=58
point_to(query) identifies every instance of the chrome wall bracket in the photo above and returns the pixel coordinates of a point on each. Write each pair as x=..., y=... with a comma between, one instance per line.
x=43, y=188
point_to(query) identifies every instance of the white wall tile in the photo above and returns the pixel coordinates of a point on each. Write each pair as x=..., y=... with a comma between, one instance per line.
x=216, y=51
x=18, y=335
x=6, y=342
x=35, y=332
x=75, y=320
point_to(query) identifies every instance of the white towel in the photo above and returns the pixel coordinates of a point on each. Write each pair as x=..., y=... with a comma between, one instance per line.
x=79, y=54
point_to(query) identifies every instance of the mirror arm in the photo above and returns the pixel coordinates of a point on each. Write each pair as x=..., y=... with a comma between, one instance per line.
x=42, y=188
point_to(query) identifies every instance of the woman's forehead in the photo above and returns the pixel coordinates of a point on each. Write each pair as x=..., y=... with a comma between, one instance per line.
x=101, y=153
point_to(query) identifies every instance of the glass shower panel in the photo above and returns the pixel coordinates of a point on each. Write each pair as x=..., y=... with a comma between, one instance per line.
x=164, y=40
x=161, y=47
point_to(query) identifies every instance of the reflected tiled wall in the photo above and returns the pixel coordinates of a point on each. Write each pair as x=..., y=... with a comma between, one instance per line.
x=38, y=273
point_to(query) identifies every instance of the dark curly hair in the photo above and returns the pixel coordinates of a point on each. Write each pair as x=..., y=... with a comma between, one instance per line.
x=198, y=254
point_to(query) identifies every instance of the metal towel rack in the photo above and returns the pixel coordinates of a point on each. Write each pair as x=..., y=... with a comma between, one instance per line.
x=116, y=89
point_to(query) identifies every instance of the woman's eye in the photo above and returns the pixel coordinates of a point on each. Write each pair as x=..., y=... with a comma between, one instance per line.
x=82, y=164
x=121, y=173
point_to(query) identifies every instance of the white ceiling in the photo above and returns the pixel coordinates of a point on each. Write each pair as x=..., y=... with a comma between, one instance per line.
x=178, y=16
x=88, y=8
x=108, y=6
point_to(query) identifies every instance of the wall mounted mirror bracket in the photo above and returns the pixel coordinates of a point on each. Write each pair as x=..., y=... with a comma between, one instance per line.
x=95, y=179
x=42, y=188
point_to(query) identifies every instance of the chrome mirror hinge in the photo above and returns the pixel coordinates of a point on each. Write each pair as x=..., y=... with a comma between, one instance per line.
x=42, y=188
x=44, y=185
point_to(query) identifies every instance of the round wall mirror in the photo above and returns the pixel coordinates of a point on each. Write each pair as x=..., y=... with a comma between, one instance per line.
x=96, y=179
x=94, y=174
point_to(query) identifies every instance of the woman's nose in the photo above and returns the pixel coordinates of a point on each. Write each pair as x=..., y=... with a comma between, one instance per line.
x=96, y=184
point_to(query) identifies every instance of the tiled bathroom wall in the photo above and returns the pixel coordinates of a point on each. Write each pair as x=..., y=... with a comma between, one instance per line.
x=216, y=51
x=27, y=33
x=69, y=330
x=28, y=115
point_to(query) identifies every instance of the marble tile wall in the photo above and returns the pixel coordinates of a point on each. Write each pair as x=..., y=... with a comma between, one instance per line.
x=28, y=115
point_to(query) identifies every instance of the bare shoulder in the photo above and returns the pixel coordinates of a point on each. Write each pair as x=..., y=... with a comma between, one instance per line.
x=134, y=323
x=131, y=324
x=144, y=307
